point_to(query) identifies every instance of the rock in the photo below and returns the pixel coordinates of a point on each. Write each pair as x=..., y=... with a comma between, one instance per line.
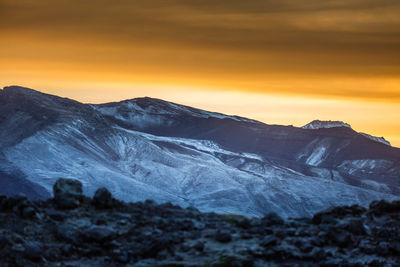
x=99, y=220
x=383, y=248
x=339, y=237
x=3, y=241
x=355, y=226
x=272, y=219
x=366, y=246
x=147, y=234
x=382, y=206
x=324, y=218
x=199, y=246
x=56, y=215
x=102, y=198
x=99, y=233
x=232, y=260
x=18, y=248
x=223, y=236
x=52, y=254
x=269, y=241
x=28, y=212
x=67, y=232
x=67, y=193
x=33, y=251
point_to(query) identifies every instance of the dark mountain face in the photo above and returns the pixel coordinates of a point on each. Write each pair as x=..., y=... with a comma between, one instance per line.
x=149, y=148
x=284, y=144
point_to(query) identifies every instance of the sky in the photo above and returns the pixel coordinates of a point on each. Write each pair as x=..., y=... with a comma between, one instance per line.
x=280, y=62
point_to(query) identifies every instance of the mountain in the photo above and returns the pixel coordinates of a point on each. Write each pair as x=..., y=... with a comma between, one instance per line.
x=317, y=124
x=148, y=148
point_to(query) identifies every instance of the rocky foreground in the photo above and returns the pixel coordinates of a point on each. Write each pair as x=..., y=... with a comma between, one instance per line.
x=74, y=230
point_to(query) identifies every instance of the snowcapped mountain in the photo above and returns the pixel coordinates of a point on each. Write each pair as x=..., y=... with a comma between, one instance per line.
x=317, y=124
x=147, y=148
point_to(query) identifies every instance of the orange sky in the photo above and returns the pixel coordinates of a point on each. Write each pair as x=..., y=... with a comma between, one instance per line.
x=282, y=62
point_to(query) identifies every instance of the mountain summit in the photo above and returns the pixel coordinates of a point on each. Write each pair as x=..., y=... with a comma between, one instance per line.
x=148, y=148
x=317, y=124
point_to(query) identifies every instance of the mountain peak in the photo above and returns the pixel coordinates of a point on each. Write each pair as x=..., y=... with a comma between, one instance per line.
x=317, y=124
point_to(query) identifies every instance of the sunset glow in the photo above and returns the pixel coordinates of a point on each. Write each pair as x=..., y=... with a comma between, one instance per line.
x=280, y=62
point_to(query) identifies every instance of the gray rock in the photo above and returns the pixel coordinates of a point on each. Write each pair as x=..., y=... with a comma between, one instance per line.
x=67, y=193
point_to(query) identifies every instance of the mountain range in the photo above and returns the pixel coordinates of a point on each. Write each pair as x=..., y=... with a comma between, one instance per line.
x=146, y=148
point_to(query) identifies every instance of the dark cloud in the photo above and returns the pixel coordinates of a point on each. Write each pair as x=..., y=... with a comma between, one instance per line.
x=309, y=37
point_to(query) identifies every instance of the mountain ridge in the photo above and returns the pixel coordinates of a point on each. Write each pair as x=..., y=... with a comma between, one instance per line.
x=170, y=152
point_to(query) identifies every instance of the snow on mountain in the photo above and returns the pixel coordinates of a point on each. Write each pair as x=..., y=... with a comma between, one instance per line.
x=152, y=149
x=148, y=112
x=377, y=139
x=317, y=124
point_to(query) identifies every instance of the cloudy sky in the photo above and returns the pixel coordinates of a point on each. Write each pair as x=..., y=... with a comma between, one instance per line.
x=281, y=62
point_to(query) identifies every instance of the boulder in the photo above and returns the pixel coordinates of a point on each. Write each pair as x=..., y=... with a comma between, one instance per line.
x=272, y=219
x=223, y=236
x=99, y=233
x=102, y=198
x=67, y=232
x=33, y=251
x=67, y=193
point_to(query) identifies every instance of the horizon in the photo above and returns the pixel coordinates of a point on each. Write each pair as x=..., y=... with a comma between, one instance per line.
x=279, y=62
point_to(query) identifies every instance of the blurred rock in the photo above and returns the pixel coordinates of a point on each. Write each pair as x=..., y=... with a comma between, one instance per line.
x=102, y=198
x=67, y=193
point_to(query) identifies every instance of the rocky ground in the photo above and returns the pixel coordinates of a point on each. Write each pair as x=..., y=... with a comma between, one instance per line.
x=73, y=230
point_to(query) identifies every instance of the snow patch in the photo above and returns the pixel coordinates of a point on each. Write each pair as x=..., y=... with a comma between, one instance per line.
x=377, y=139
x=317, y=124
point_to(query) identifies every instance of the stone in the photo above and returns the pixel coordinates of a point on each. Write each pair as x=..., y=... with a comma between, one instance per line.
x=355, y=226
x=33, y=251
x=102, y=198
x=232, y=260
x=99, y=233
x=199, y=246
x=67, y=193
x=383, y=248
x=382, y=206
x=56, y=215
x=28, y=212
x=3, y=241
x=272, y=219
x=67, y=232
x=269, y=241
x=223, y=236
x=324, y=218
x=339, y=237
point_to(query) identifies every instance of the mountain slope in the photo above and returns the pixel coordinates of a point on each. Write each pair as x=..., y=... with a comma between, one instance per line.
x=152, y=149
